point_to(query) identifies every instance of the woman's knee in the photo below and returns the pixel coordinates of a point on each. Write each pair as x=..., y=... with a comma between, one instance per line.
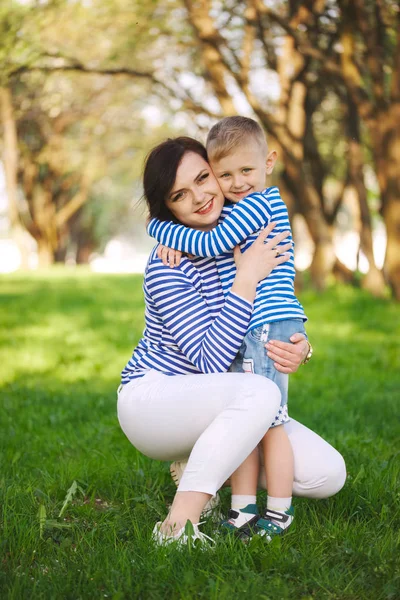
x=324, y=482
x=335, y=476
x=262, y=395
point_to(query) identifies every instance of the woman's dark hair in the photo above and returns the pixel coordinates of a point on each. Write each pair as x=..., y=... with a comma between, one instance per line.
x=160, y=171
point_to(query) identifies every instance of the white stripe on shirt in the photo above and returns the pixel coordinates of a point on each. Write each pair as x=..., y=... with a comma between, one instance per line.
x=190, y=326
x=240, y=224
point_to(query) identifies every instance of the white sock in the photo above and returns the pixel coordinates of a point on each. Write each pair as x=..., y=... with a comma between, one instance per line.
x=239, y=501
x=280, y=505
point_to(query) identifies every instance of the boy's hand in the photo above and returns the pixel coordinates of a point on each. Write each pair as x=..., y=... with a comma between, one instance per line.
x=169, y=256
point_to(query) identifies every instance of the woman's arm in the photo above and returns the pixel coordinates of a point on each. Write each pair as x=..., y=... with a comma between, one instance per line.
x=288, y=356
x=211, y=343
x=246, y=217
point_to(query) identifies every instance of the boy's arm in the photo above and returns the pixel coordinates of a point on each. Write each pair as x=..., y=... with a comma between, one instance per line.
x=246, y=217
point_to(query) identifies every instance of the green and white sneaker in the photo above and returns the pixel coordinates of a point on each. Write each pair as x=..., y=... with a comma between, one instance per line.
x=211, y=509
x=242, y=523
x=189, y=535
x=274, y=523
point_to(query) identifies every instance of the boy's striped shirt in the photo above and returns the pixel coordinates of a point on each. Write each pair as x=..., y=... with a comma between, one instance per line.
x=190, y=326
x=240, y=224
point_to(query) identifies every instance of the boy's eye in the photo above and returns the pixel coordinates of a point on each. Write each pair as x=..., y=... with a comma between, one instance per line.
x=224, y=175
x=246, y=170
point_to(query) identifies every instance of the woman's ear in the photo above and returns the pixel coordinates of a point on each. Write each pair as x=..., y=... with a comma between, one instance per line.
x=270, y=161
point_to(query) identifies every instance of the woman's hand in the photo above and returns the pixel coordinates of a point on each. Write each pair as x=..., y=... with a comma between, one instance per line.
x=288, y=356
x=257, y=262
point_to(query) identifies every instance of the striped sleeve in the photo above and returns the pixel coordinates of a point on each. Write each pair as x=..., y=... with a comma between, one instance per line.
x=209, y=343
x=246, y=217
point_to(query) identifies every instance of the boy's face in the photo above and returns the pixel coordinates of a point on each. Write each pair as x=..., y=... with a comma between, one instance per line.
x=244, y=170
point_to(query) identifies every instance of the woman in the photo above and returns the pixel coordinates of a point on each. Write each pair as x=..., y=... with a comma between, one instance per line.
x=176, y=397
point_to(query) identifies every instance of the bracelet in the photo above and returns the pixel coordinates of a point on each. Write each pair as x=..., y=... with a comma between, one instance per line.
x=309, y=354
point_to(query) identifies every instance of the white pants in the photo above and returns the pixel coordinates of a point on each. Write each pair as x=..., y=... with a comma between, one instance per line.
x=217, y=420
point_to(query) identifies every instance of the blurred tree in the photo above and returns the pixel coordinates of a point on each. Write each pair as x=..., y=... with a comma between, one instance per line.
x=243, y=47
x=322, y=76
x=370, y=71
x=75, y=123
x=13, y=51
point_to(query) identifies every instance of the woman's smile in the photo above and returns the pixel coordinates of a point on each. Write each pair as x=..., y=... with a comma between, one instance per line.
x=196, y=199
x=204, y=210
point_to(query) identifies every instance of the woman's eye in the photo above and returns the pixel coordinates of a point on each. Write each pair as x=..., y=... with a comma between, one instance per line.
x=178, y=197
x=204, y=176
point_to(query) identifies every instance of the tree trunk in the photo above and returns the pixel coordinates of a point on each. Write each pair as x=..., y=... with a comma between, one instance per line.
x=45, y=253
x=390, y=174
x=208, y=36
x=84, y=252
x=10, y=161
x=321, y=233
x=374, y=280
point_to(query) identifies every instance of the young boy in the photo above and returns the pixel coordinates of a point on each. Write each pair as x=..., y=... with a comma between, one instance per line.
x=239, y=157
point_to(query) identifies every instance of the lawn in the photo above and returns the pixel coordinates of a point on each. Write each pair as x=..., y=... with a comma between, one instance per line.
x=78, y=502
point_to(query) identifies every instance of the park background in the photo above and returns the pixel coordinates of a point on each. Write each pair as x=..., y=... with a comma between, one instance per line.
x=86, y=89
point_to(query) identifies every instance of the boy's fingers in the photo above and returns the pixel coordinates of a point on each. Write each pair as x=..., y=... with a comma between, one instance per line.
x=164, y=256
x=178, y=256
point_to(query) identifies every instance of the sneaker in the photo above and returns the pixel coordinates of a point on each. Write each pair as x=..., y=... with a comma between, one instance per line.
x=242, y=523
x=177, y=469
x=268, y=525
x=186, y=536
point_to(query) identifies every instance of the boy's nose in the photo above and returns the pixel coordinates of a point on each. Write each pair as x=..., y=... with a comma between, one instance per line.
x=237, y=182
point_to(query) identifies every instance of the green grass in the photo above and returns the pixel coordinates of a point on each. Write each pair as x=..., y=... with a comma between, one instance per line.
x=64, y=338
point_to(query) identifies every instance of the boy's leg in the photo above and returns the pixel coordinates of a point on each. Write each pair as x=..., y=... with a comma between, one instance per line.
x=279, y=472
x=244, y=512
x=244, y=480
x=279, y=464
x=277, y=450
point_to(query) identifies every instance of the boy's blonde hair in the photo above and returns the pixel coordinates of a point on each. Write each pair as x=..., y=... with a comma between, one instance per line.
x=231, y=132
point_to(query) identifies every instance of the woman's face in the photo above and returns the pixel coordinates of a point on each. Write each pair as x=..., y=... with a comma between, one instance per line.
x=196, y=199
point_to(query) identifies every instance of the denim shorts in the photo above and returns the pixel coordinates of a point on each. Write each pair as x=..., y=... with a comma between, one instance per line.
x=252, y=357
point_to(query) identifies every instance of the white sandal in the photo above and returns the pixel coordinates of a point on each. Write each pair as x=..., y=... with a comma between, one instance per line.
x=187, y=535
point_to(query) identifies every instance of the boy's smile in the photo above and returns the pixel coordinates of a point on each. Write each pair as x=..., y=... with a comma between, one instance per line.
x=243, y=171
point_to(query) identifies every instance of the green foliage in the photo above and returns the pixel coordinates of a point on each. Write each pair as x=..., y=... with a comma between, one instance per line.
x=64, y=337
x=15, y=48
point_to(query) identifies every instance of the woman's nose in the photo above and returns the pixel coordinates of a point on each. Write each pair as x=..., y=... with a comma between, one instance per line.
x=198, y=196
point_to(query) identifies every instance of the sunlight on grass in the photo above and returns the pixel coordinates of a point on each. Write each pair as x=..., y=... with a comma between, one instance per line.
x=64, y=338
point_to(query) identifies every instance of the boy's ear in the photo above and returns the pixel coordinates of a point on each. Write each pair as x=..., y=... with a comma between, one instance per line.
x=271, y=160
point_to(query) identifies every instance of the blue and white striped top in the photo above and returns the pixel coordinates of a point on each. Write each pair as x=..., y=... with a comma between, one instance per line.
x=240, y=224
x=190, y=326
